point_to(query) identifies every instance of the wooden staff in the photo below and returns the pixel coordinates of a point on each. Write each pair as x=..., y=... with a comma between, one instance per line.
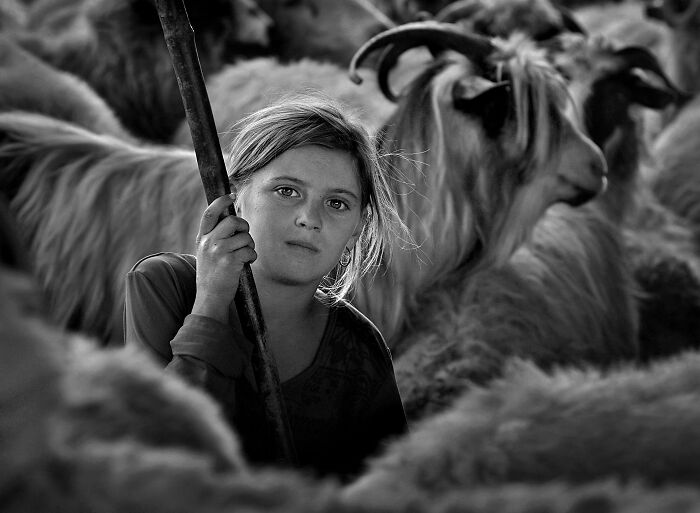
x=179, y=37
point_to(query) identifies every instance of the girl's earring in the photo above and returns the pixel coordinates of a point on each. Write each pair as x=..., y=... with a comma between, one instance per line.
x=345, y=258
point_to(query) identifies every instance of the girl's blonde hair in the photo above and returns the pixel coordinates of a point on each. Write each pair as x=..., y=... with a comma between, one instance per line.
x=297, y=121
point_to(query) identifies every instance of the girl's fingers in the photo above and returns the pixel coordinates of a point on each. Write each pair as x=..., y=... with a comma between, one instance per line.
x=213, y=212
x=227, y=227
x=234, y=243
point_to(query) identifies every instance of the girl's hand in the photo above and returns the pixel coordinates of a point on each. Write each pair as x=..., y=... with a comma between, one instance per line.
x=223, y=247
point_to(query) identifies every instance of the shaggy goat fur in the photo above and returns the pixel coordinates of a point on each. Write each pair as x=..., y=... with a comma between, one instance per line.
x=682, y=49
x=29, y=84
x=89, y=207
x=324, y=30
x=469, y=198
x=675, y=181
x=118, y=48
x=676, y=156
x=574, y=426
x=568, y=296
x=613, y=100
x=60, y=453
x=564, y=298
x=624, y=22
x=539, y=19
x=239, y=89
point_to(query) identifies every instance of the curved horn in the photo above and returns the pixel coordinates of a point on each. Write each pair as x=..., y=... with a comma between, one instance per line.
x=641, y=57
x=423, y=33
x=386, y=63
x=458, y=11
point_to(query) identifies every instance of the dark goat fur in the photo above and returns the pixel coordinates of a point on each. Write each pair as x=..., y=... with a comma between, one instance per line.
x=118, y=48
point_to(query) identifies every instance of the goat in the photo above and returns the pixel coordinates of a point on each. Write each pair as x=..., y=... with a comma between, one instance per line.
x=683, y=47
x=567, y=296
x=110, y=43
x=626, y=23
x=675, y=179
x=239, y=89
x=492, y=152
x=675, y=149
x=27, y=83
x=89, y=206
x=659, y=244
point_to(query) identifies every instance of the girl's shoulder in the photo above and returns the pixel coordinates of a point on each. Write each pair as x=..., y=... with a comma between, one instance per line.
x=357, y=326
x=164, y=261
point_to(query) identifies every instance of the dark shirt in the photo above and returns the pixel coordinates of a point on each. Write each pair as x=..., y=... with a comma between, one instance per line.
x=341, y=408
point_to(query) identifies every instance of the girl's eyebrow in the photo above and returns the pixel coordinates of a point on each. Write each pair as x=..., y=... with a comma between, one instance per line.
x=293, y=179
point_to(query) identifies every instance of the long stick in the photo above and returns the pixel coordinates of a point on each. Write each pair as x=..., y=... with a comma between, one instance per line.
x=179, y=37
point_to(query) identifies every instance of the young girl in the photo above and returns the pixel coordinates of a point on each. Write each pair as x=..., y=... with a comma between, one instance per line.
x=314, y=213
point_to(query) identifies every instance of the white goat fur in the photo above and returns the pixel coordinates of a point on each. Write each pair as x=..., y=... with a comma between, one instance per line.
x=91, y=206
x=242, y=88
x=681, y=55
x=565, y=297
x=458, y=189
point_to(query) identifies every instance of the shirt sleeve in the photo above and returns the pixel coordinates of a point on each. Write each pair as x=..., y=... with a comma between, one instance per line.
x=156, y=304
x=212, y=356
x=157, y=319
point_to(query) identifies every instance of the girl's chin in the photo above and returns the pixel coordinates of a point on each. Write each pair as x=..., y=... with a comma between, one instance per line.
x=291, y=275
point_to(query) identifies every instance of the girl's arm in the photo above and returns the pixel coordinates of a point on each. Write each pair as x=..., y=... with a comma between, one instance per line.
x=160, y=291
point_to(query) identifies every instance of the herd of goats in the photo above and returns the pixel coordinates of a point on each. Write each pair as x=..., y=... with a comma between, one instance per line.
x=544, y=320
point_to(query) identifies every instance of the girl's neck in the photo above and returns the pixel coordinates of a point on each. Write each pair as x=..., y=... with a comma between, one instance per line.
x=284, y=303
x=295, y=322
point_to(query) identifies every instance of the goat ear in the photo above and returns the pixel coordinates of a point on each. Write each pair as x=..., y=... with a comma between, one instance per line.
x=489, y=101
x=647, y=94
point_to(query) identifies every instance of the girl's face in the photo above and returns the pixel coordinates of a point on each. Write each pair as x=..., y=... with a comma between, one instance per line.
x=304, y=209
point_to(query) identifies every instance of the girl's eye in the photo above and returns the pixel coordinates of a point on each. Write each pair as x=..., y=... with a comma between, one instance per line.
x=287, y=191
x=338, y=204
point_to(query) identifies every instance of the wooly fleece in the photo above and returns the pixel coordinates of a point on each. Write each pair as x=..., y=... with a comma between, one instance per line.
x=573, y=425
x=62, y=401
x=564, y=298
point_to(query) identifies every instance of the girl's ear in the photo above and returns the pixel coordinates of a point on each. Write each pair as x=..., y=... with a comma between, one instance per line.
x=364, y=219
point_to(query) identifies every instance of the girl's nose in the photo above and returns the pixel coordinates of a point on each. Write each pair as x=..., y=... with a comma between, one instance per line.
x=309, y=216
